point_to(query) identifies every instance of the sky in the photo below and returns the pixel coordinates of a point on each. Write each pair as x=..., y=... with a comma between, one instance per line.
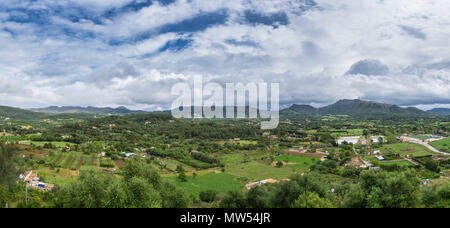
x=131, y=52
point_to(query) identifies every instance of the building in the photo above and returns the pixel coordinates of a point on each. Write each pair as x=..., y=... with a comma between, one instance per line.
x=267, y=181
x=32, y=181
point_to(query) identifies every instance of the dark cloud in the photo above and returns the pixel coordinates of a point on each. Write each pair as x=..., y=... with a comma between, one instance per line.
x=414, y=32
x=369, y=67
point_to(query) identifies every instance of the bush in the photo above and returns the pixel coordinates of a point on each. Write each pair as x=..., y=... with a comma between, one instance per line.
x=208, y=196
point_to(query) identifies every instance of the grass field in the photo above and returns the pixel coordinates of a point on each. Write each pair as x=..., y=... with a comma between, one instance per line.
x=442, y=145
x=246, y=142
x=421, y=137
x=348, y=132
x=171, y=165
x=57, y=144
x=221, y=182
x=57, y=176
x=413, y=150
x=242, y=156
x=297, y=159
x=258, y=170
x=400, y=163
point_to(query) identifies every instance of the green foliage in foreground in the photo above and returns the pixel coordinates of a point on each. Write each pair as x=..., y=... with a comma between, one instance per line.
x=140, y=187
x=372, y=190
x=8, y=172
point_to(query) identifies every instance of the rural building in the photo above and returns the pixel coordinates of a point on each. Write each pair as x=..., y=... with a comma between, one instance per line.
x=32, y=181
x=267, y=181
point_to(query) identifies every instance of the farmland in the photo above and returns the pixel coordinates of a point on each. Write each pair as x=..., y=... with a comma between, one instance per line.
x=220, y=182
x=192, y=158
x=259, y=170
x=400, y=163
x=442, y=145
x=413, y=150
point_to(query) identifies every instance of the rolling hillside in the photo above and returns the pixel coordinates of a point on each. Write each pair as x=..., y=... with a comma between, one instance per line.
x=17, y=113
x=440, y=111
x=92, y=110
x=355, y=108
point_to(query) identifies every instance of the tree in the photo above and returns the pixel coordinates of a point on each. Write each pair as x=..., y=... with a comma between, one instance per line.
x=258, y=197
x=384, y=189
x=8, y=171
x=182, y=177
x=208, y=196
x=138, y=168
x=4, y=197
x=173, y=197
x=233, y=200
x=436, y=196
x=312, y=200
x=141, y=194
x=279, y=164
x=350, y=171
x=179, y=169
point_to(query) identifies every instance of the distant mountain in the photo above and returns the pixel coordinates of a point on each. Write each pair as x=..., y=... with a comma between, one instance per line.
x=440, y=111
x=93, y=110
x=355, y=108
x=300, y=110
x=17, y=113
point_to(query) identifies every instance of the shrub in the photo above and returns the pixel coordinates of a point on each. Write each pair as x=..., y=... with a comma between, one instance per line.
x=208, y=196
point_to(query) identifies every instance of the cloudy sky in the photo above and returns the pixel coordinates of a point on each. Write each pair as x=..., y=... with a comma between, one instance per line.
x=131, y=52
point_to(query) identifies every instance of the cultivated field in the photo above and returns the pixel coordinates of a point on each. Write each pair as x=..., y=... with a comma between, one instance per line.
x=442, y=145
x=220, y=182
x=413, y=150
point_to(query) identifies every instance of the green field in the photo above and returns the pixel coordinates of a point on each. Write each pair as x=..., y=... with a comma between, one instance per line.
x=348, y=132
x=242, y=156
x=57, y=144
x=413, y=150
x=442, y=145
x=258, y=170
x=421, y=137
x=400, y=163
x=171, y=165
x=297, y=159
x=221, y=182
x=246, y=142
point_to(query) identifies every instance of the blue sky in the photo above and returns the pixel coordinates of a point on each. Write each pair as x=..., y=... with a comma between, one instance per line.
x=130, y=52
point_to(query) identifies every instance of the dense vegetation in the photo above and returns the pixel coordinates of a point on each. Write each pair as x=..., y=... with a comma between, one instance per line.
x=154, y=160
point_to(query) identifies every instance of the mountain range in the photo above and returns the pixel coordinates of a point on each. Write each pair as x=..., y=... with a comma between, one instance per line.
x=92, y=110
x=353, y=108
x=440, y=111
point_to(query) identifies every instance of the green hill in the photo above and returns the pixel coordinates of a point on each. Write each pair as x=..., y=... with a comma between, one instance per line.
x=17, y=113
x=92, y=110
x=355, y=108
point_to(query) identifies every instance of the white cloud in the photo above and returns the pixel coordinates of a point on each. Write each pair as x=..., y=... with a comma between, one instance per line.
x=309, y=56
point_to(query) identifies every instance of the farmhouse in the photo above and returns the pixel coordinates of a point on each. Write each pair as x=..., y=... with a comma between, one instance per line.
x=267, y=181
x=129, y=155
x=32, y=181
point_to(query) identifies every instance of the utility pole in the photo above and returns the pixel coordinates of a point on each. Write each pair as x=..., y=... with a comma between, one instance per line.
x=26, y=193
